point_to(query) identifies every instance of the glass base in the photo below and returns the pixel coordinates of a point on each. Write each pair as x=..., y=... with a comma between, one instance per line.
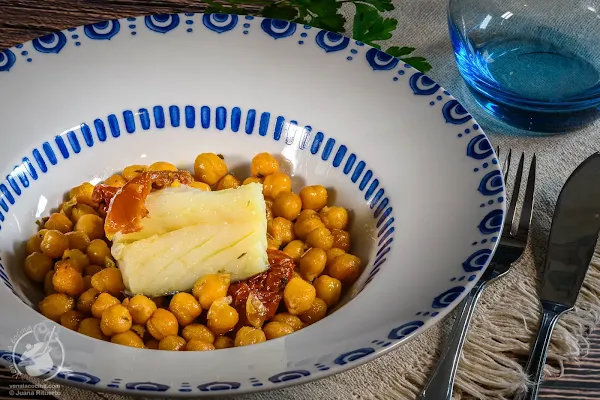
x=533, y=120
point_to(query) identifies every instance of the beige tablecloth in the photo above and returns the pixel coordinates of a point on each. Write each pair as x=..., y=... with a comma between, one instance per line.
x=507, y=316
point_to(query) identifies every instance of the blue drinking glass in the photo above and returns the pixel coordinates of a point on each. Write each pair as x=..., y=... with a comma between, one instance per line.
x=534, y=64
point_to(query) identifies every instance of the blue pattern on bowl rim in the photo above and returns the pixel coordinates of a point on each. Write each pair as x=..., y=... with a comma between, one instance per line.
x=251, y=122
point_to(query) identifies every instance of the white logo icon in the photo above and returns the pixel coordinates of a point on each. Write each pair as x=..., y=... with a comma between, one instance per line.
x=41, y=352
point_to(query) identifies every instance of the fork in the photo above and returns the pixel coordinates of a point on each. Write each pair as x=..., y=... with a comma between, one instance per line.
x=510, y=249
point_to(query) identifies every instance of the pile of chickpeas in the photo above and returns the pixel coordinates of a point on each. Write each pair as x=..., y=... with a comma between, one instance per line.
x=71, y=259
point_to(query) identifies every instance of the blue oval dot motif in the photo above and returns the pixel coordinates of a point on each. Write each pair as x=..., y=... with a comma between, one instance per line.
x=446, y=298
x=455, y=113
x=491, y=223
x=479, y=148
x=278, y=29
x=331, y=42
x=423, y=85
x=51, y=43
x=102, y=30
x=353, y=355
x=477, y=260
x=147, y=386
x=219, y=386
x=289, y=376
x=380, y=61
x=220, y=22
x=162, y=23
x=404, y=330
x=7, y=60
x=491, y=184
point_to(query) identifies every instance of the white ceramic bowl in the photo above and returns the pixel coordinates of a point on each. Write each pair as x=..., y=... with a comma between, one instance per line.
x=413, y=166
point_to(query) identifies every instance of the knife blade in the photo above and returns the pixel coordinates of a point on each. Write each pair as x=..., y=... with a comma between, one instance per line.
x=573, y=237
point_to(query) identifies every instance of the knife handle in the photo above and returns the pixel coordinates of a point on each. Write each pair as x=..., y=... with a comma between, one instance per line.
x=441, y=382
x=537, y=357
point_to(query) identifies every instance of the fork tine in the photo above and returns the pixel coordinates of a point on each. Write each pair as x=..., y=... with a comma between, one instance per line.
x=506, y=164
x=510, y=213
x=527, y=209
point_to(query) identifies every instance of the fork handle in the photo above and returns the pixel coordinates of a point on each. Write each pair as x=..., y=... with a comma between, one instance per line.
x=537, y=358
x=439, y=386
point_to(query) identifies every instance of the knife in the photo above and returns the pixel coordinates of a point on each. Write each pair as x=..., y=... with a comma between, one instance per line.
x=573, y=236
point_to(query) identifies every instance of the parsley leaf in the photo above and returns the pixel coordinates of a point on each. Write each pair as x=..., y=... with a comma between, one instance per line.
x=419, y=63
x=399, y=51
x=370, y=26
x=280, y=11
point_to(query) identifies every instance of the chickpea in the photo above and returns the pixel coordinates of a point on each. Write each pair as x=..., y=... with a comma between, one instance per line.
x=185, y=307
x=48, y=286
x=328, y=289
x=305, y=225
x=55, y=305
x=198, y=332
x=133, y=171
x=139, y=330
x=345, y=268
x=79, y=211
x=313, y=263
x=97, y=251
x=209, y=168
x=316, y=312
x=221, y=317
x=152, y=344
x=71, y=319
x=162, y=323
x=34, y=242
x=37, y=265
x=83, y=194
x=289, y=319
x=341, y=239
x=91, y=327
x=269, y=209
x=298, y=296
x=228, y=182
x=274, y=330
x=305, y=215
x=91, y=270
x=87, y=300
x=141, y=308
x=273, y=243
x=78, y=241
x=162, y=166
x=198, y=345
x=200, y=185
x=59, y=222
x=173, y=343
x=313, y=197
x=54, y=244
x=210, y=288
x=332, y=254
x=276, y=183
x=247, y=336
x=115, y=319
x=281, y=229
x=115, y=180
x=91, y=225
x=103, y=302
x=295, y=249
x=287, y=205
x=67, y=279
x=252, y=179
x=223, y=342
x=128, y=338
x=76, y=259
x=109, y=280
x=263, y=164
x=321, y=238
x=334, y=217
